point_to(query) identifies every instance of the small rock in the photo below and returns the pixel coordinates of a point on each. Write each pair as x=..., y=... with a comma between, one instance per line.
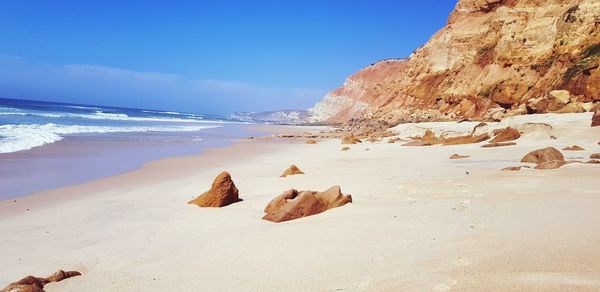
x=292, y=170
x=456, y=156
x=573, y=148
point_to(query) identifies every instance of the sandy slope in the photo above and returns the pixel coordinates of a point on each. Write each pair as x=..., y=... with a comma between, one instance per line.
x=419, y=222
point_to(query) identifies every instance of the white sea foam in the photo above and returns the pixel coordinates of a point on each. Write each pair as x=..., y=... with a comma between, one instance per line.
x=159, y=112
x=23, y=137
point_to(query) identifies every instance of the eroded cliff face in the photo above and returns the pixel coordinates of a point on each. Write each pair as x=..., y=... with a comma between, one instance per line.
x=493, y=59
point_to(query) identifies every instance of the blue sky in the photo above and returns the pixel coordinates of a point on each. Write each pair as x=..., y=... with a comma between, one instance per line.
x=202, y=56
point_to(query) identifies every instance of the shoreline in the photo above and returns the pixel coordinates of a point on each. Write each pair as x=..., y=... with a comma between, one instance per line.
x=418, y=221
x=151, y=169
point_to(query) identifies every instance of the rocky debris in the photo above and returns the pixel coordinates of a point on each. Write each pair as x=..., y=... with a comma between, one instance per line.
x=456, y=156
x=223, y=192
x=429, y=138
x=505, y=135
x=593, y=161
x=394, y=140
x=311, y=141
x=547, y=158
x=596, y=120
x=292, y=170
x=36, y=284
x=350, y=139
x=373, y=140
x=498, y=144
x=574, y=148
x=595, y=156
x=345, y=148
x=479, y=67
x=550, y=164
x=294, y=204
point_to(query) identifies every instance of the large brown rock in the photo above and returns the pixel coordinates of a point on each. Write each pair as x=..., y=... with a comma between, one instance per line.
x=508, y=134
x=543, y=155
x=223, y=192
x=311, y=141
x=292, y=170
x=596, y=119
x=36, y=284
x=294, y=204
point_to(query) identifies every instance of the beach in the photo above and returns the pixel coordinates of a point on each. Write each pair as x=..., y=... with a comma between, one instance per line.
x=418, y=221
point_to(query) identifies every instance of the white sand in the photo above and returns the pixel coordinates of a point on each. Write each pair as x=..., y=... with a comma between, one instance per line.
x=419, y=222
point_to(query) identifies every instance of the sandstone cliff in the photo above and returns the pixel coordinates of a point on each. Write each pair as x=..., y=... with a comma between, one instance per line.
x=494, y=58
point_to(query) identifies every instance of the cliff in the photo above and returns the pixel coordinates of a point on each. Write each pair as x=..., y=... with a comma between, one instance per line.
x=286, y=117
x=493, y=59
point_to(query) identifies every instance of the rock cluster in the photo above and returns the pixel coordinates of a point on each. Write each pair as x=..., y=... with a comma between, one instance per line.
x=223, y=192
x=36, y=284
x=295, y=204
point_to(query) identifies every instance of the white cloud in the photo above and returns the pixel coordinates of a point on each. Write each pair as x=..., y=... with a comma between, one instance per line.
x=94, y=84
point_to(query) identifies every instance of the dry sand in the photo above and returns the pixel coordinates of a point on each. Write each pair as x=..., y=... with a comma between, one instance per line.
x=419, y=221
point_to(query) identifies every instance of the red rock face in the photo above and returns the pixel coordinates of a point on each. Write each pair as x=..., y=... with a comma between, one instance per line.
x=494, y=58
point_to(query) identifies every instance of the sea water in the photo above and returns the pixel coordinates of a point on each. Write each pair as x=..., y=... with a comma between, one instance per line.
x=47, y=145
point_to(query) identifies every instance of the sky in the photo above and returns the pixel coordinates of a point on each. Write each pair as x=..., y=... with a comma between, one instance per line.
x=213, y=57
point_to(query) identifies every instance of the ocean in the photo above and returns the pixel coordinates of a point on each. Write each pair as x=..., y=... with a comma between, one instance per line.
x=46, y=145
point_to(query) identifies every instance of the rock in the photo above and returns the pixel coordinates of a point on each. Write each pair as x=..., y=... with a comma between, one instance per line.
x=294, y=204
x=311, y=141
x=222, y=193
x=596, y=120
x=543, y=155
x=416, y=143
x=471, y=139
x=573, y=148
x=345, y=148
x=394, y=140
x=508, y=134
x=429, y=138
x=554, y=164
x=456, y=156
x=36, y=284
x=515, y=168
x=499, y=144
x=595, y=156
x=350, y=139
x=292, y=170
x=562, y=96
x=593, y=161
